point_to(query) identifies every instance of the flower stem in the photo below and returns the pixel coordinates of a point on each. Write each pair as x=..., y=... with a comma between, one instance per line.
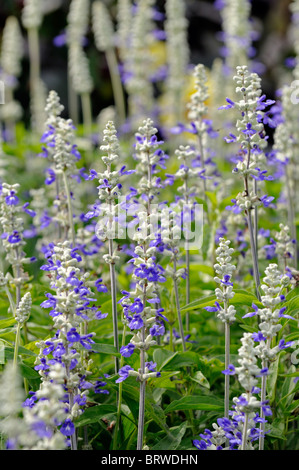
x=119, y=403
x=177, y=302
x=114, y=304
x=87, y=113
x=70, y=209
x=116, y=85
x=17, y=342
x=142, y=396
x=227, y=362
x=245, y=429
x=254, y=255
x=263, y=399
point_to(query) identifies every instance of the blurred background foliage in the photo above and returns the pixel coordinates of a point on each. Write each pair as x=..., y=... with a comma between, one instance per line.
x=271, y=19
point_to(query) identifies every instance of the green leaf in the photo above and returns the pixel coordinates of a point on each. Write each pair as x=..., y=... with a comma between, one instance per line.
x=94, y=414
x=173, y=439
x=292, y=305
x=241, y=297
x=272, y=379
x=165, y=380
x=105, y=349
x=28, y=372
x=204, y=403
x=287, y=390
x=7, y=322
x=162, y=357
x=201, y=379
x=183, y=359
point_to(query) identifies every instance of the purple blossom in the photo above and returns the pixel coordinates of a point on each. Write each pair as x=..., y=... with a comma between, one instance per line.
x=213, y=309
x=230, y=370
x=252, y=314
x=28, y=211
x=128, y=350
x=136, y=323
x=282, y=315
x=230, y=104
x=258, y=336
x=67, y=428
x=12, y=199
x=123, y=373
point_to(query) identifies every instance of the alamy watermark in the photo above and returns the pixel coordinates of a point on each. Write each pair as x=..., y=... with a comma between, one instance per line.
x=131, y=221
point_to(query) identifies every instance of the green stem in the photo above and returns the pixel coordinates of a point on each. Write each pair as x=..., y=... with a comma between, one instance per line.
x=17, y=342
x=141, y=397
x=34, y=56
x=116, y=85
x=87, y=113
x=114, y=304
x=119, y=403
x=245, y=429
x=70, y=209
x=72, y=101
x=177, y=302
x=254, y=255
x=227, y=362
x=11, y=301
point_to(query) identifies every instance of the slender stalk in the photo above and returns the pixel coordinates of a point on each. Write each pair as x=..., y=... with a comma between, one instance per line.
x=34, y=56
x=116, y=85
x=17, y=343
x=87, y=113
x=114, y=304
x=70, y=209
x=73, y=437
x=177, y=302
x=245, y=430
x=255, y=218
x=202, y=162
x=11, y=301
x=187, y=258
x=118, y=416
x=291, y=214
x=187, y=283
x=227, y=362
x=72, y=101
x=263, y=399
x=142, y=396
x=254, y=255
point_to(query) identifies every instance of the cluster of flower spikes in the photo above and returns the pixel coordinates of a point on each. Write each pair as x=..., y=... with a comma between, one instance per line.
x=13, y=232
x=141, y=306
x=110, y=190
x=60, y=150
x=201, y=127
x=10, y=62
x=72, y=307
x=272, y=312
x=228, y=433
x=77, y=27
x=59, y=138
x=251, y=136
x=237, y=35
x=188, y=173
x=138, y=63
x=39, y=422
x=224, y=293
x=281, y=246
x=177, y=48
